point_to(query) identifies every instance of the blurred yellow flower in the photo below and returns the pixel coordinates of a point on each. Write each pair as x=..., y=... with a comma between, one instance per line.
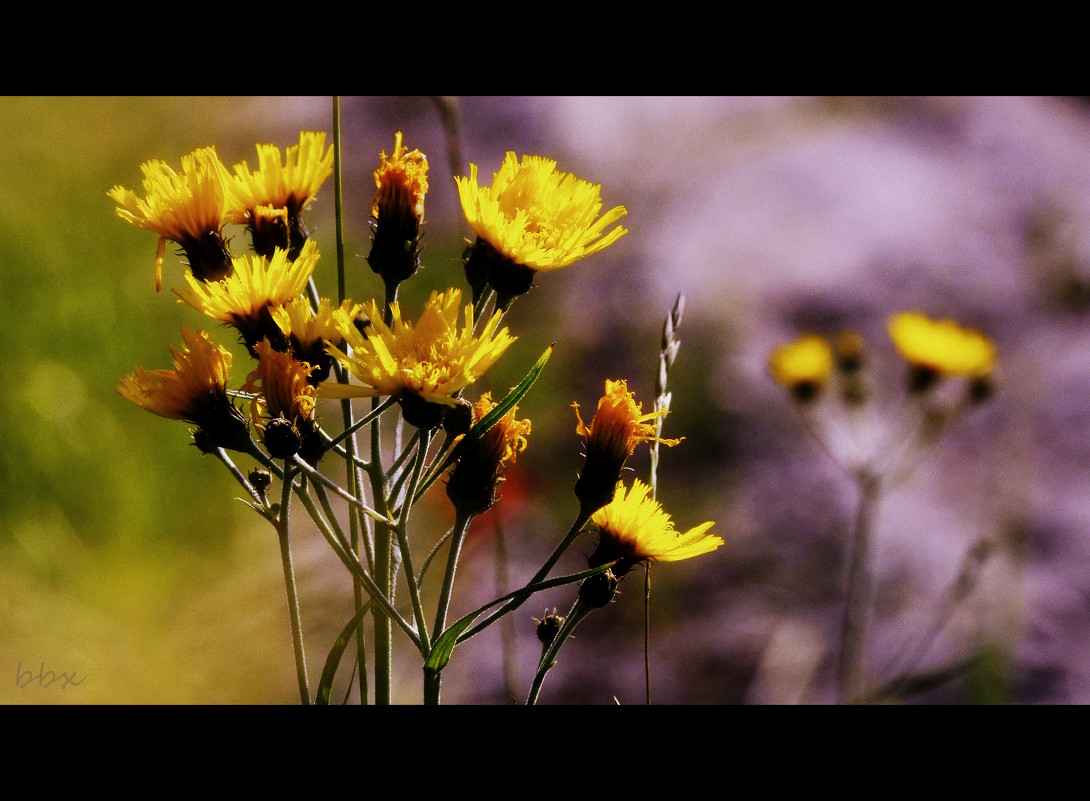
x=634, y=528
x=432, y=360
x=942, y=346
x=189, y=209
x=803, y=365
x=535, y=218
x=256, y=286
x=195, y=390
x=618, y=426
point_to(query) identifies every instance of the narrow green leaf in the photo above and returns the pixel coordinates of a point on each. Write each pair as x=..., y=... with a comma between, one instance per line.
x=486, y=422
x=325, y=685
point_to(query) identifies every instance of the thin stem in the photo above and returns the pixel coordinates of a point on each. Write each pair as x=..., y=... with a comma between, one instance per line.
x=849, y=674
x=481, y=304
x=384, y=576
x=548, y=659
x=221, y=454
x=461, y=525
x=401, y=529
x=352, y=427
x=507, y=626
x=355, y=485
x=353, y=564
x=433, y=678
x=515, y=603
x=282, y=529
x=300, y=463
x=431, y=555
x=398, y=463
x=647, y=630
x=956, y=593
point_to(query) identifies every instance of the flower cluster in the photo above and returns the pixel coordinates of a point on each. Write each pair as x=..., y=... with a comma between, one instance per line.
x=306, y=349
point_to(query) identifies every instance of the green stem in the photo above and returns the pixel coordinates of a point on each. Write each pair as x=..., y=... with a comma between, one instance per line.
x=432, y=678
x=401, y=529
x=341, y=549
x=302, y=465
x=385, y=576
x=351, y=427
x=515, y=603
x=849, y=674
x=548, y=659
x=241, y=479
x=282, y=528
x=354, y=482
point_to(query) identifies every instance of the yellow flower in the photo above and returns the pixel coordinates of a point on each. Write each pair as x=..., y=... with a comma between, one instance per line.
x=618, y=426
x=428, y=362
x=282, y=386
x=401, y=181
x=802, y=366
x=634, y=528
x=256, y=286
x=398, y=209
x=285, y=399
x=309, y=331
x=478, y=471
x=942, y=346
x=189, y=209
x=271, y=199
x=532, y=218
x=195, y=391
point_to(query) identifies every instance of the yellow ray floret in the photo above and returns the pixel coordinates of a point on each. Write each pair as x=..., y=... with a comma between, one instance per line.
x=942, y=345
x=281, y=384
x=536, y=215
x=257, y=283
x=297, y=319
x=177, y=207
x=197, y=383
x=807, y=360
x=290, y=184
x=507, y=438
x=402, y=176
x=619, y=424
x=431, y=359
x=634, y=527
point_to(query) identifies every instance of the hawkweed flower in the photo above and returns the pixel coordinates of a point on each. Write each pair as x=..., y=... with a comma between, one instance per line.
x=282, y=409
x=257, y=285
x=424, y=365
x=934, y=349
x=309, y=332
x=398, y=209
x=634, y=528
x=479, y=469
x=802, y=366
x=270, y=200
x=849, y=351
x=618, y=426
x=532, y=218
x=195, y=391
x=188, y=209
